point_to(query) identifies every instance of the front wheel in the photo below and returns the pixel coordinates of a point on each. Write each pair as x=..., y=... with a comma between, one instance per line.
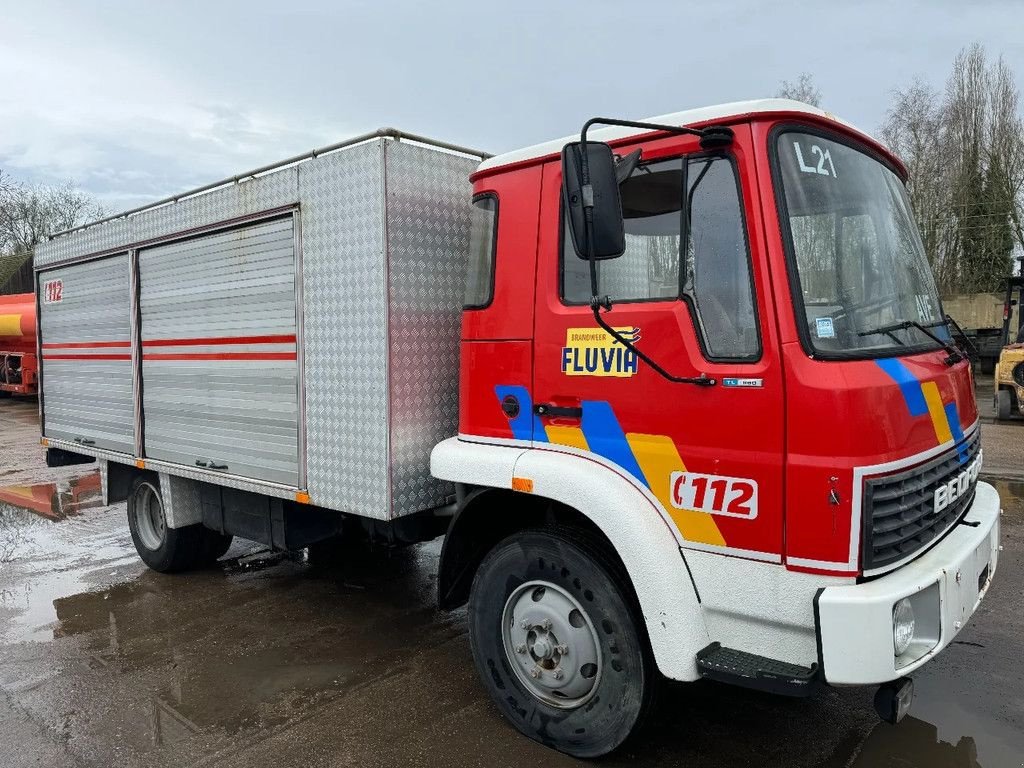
x=557, y=641
x=1004, y=404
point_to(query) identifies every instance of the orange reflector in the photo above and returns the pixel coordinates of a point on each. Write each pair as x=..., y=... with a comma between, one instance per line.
x=523, y=484
x=43, y=441
x=302, y=497
x=140, y=464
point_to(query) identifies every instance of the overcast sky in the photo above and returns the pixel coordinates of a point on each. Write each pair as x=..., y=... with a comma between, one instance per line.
x=136, y=99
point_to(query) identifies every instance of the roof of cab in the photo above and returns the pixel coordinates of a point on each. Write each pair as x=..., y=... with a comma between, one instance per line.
x=731, y=111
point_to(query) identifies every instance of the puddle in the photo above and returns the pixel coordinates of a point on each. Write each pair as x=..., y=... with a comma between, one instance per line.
x=941, y=732
x=915, y=743
x=252, y=644
x=59, y=500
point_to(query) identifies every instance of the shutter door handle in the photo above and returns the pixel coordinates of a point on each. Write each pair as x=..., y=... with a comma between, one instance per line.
x=210, y=464
x=84, y=441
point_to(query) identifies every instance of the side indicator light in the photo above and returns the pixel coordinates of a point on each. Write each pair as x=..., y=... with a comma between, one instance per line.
x=44, y=442
x=140, y=464
x=302, y=497
x=522, y=484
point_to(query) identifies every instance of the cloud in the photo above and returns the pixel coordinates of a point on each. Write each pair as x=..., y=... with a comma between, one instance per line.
x=139, y=100
x=123, y=128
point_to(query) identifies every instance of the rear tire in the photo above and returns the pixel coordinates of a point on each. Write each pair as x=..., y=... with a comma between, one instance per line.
x=164, y=549
x=558, y=642
x=1004, y=404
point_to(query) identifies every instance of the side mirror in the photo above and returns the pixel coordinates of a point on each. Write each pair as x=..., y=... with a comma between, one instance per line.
x=608, y=235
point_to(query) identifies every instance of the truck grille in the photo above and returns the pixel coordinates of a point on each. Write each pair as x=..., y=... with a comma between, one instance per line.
x=899, y=509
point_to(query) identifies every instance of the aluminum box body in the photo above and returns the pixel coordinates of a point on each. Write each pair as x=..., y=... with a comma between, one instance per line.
x=299, y=328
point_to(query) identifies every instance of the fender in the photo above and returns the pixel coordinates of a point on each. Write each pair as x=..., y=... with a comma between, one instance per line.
x=630, y=521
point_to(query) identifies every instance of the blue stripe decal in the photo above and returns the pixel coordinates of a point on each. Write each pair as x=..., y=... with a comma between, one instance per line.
x=953, y=417
x=605, y=437
x=909, y=385
x=525, y=426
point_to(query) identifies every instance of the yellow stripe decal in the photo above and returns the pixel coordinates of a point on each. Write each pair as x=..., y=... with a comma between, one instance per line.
x=10, y=325
x=571, y=436
x=940, y=423
x=658, y=458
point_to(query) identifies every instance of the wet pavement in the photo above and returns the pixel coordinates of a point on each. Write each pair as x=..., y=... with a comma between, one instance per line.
x=271, y=660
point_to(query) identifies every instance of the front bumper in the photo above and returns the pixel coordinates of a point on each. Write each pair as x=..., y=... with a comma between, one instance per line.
x=946, y=585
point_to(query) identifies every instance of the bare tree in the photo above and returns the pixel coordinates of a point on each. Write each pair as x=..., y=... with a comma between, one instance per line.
x=914, y=130
x=803, y=89
x=964, y=149
x=28, y=213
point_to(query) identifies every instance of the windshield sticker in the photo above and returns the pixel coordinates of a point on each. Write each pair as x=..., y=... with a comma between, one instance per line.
x=824, y=156
x=826, y=330
x=593, y=352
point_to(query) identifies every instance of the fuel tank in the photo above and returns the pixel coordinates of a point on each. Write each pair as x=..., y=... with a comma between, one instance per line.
x=18, y=323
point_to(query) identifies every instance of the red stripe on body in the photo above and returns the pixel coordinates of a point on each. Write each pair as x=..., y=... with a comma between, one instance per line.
x=223, y=356
x=86, y=345
x=87, y=357
x=217, y=340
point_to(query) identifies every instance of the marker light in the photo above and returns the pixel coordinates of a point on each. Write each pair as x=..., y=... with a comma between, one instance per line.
x=902, y=626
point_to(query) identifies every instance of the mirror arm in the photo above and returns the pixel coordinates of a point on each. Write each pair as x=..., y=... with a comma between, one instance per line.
x=714, y=136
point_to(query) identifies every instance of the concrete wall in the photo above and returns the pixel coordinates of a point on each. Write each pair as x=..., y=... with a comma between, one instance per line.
x=975, y=310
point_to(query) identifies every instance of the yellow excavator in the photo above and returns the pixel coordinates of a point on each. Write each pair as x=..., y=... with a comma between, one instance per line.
x=1009, y=374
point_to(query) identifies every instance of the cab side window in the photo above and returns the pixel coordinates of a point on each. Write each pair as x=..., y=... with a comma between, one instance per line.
x=717, y=275
x=483, y=240
x=714, y=273
x=649, y=268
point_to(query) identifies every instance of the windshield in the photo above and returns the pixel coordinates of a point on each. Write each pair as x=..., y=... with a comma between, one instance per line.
x=859, y=259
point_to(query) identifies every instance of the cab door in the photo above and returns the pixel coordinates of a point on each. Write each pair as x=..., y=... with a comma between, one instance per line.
x=691, y=292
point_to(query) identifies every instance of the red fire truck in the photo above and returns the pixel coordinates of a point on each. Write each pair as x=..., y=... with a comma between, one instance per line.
x=703, y=418
x=18, y=345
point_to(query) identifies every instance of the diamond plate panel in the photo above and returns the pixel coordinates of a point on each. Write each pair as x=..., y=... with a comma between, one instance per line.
x=182, y=505
x=242, y=199
x=103, y=237
x=345, y=331
x=428, y=219
x=104, y=481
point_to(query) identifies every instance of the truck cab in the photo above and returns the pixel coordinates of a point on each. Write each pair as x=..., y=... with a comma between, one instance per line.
x=764, y=473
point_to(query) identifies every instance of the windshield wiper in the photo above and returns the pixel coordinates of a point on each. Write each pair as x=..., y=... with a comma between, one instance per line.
x=968, y=347
x=954, y=357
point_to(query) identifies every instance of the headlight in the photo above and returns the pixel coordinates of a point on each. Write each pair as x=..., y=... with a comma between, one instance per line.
x=902, y=626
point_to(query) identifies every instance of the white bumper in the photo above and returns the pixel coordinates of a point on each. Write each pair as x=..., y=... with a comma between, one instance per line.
x=946, y=585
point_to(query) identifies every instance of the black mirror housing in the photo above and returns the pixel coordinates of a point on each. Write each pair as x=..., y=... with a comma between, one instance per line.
x=608, y=235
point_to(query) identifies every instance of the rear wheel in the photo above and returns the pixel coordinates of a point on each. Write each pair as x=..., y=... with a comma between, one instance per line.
x=162, y=548
x=558, y=644
x=1004, y=404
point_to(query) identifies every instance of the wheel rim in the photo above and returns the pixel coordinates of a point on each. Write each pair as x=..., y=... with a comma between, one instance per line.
x=149, y=517
x=551, y=644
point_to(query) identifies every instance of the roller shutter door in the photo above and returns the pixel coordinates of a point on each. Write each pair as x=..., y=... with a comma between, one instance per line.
x=85, y=331
x=219, y=367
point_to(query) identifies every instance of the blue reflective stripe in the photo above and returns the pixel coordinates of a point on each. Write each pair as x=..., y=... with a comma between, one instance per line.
x=953, y=417
x=606, y=438
x=524, y=425
x=909, y=385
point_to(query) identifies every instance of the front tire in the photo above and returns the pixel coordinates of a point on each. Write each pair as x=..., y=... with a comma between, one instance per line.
x=1004, y=404
x=164, y=549
x=558, y=642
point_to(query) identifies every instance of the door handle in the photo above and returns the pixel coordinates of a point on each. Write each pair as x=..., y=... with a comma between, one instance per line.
x=210, y=464
x=559, y=411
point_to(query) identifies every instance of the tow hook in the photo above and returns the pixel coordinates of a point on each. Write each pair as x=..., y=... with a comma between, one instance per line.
x=893, y=699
